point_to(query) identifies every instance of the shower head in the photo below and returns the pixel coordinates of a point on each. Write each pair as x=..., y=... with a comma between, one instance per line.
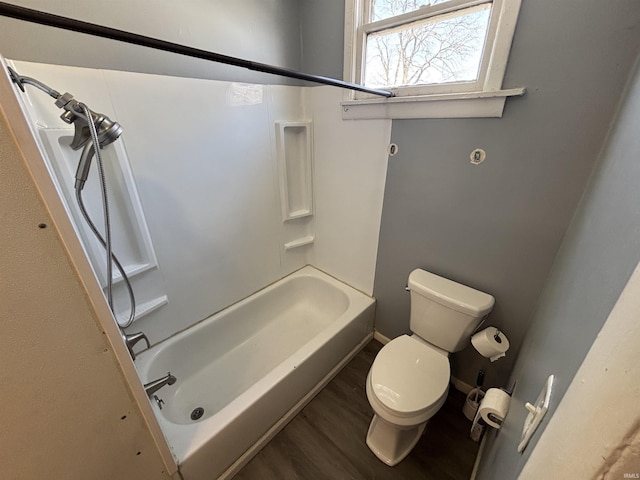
x=77, y=113
x=108, y=130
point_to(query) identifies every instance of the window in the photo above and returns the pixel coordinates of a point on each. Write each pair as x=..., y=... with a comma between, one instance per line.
x=441, y=58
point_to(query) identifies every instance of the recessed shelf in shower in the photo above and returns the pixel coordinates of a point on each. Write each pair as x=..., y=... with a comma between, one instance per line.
x=299, y=242
x=143, y=309
x=294, y=152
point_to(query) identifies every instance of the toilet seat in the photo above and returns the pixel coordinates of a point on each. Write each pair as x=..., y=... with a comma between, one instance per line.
x=408, y=380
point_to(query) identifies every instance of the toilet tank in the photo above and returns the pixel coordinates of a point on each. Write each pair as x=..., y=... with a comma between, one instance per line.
x=443, y=312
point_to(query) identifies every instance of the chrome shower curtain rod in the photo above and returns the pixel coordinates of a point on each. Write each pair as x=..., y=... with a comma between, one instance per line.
x=51, y=20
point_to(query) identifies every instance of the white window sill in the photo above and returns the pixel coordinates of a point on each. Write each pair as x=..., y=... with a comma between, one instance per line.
x=449, y=105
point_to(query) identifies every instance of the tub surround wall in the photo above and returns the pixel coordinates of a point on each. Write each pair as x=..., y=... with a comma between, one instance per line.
x=207, y=183
x=204, y=159
x=346, y=172
x=210, y=192
x=350, y=168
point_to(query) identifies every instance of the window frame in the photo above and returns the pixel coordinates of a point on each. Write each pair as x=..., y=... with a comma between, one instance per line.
x=446, y=100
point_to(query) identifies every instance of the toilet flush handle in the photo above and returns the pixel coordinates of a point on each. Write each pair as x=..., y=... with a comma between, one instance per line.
x=406, y=287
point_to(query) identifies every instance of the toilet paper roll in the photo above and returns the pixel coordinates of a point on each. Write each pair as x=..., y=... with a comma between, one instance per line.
x=494, y=407
x=490, y=343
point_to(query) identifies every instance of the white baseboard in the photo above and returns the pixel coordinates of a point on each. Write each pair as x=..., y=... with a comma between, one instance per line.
x=461, y=386
x=380, y=337
x=476, y=464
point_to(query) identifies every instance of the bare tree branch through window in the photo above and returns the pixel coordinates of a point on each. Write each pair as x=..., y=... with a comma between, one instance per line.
x=441, y=49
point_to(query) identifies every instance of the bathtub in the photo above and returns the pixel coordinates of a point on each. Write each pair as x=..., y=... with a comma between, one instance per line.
x=252, y=367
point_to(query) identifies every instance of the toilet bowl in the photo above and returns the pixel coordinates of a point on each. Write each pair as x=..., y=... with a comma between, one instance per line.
x=406, y=385
x=409, y=379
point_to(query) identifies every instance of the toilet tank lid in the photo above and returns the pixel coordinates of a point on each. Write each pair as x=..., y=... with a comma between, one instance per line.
x=451, y=294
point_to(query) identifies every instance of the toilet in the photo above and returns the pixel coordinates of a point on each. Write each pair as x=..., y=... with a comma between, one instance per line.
x=409, y=379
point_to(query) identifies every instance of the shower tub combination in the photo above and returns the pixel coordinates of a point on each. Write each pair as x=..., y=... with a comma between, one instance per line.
x=247, y=370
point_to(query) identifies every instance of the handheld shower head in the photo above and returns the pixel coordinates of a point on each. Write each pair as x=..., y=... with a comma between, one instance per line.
x=92, y=132
x=76, y=113
x=108, y=131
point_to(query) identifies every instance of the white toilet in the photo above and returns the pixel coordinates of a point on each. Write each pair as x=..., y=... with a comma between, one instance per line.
x=409, y=379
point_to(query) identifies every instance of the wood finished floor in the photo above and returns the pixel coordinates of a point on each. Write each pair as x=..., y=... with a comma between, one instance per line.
x=326, y=440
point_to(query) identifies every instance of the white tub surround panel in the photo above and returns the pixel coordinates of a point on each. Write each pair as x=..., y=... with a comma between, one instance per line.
x=203, y=156
x=203, y=167
x=350, y=167
x=132, y=242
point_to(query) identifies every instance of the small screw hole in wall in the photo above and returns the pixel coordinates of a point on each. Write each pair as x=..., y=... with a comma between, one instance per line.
x=42, y=225
x=139, y=453
x=392, y=149
x=123, y=417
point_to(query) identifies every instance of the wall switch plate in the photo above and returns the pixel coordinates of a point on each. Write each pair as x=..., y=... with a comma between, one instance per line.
x=536, y=413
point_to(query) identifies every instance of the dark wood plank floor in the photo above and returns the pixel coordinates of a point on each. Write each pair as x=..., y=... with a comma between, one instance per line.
x=326, y=440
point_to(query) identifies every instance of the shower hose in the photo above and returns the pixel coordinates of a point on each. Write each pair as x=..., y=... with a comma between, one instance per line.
x=106, y=240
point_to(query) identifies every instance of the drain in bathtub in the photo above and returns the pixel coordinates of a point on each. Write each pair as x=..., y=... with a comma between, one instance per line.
x=197, y=413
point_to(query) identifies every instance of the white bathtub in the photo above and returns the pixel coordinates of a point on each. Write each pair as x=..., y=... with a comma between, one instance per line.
x=252, y=366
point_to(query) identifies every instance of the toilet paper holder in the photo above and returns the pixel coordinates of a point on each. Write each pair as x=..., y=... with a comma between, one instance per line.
x=494, y=418
x=496, y=336
x=491, y=343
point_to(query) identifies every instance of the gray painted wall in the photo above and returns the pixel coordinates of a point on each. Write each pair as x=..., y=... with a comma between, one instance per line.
x=322, y=35
x=497, y=226
x=599, y=253
x=266, y=31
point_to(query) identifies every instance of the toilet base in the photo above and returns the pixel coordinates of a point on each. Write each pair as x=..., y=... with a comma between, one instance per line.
x=392, y=443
